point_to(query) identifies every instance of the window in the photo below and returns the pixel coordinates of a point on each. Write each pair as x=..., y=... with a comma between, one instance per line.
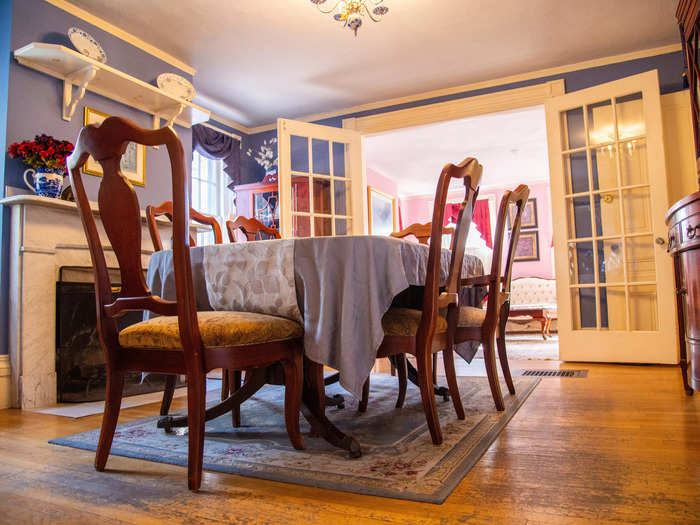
x=210, y=194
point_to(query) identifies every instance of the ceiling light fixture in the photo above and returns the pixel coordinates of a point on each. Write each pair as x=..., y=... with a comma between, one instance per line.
x=351, y=12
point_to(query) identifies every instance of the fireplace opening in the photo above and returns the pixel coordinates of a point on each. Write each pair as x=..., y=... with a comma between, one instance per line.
x=80, y=361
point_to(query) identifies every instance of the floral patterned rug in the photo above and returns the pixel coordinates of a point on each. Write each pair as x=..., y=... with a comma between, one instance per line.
x=398, y=461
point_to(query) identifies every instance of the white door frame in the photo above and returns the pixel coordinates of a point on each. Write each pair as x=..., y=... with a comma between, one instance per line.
x=507, y=100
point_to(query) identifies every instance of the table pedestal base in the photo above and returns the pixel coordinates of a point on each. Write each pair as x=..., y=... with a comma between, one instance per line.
x=313, y=404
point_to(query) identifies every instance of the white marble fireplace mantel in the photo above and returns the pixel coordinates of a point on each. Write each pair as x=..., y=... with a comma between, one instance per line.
x=46, y=234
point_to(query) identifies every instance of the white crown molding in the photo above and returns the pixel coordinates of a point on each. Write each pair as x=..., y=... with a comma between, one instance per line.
x=625, y=57
x=120, y=33
x=230, y=123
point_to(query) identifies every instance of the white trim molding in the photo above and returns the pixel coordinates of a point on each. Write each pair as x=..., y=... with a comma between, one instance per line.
x=457, y=109
x=5, y=382
x=540, y=73
x=120, y=33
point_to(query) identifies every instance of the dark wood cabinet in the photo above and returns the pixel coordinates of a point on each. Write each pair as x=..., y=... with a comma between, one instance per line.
x=260, y=200
x=683, y=218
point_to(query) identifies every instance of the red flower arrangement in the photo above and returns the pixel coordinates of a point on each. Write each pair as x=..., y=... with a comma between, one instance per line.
x=41, y=153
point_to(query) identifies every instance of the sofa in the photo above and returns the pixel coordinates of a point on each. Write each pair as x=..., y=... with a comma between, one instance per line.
x=532, y=299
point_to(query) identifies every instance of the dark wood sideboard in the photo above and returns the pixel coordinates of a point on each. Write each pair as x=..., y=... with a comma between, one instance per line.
x=683, y=218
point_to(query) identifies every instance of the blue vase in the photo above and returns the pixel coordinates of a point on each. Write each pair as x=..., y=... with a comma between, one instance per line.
x=47, y=181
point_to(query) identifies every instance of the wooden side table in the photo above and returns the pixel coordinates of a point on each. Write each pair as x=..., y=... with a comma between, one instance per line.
x=539, y=313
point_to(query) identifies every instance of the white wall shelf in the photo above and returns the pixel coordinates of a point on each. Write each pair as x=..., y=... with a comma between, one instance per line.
x=79, y=70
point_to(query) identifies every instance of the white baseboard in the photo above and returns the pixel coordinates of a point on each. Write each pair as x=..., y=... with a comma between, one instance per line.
x=5, y=382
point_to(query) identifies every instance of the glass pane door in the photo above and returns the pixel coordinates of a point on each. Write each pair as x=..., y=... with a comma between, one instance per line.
x=319, y=168
x=608, y=185
x=612, y=277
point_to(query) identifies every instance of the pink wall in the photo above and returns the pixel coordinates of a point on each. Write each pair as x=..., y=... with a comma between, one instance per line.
x=382, y=183
x=387, y=185
x=545, y=266
x=419, y=210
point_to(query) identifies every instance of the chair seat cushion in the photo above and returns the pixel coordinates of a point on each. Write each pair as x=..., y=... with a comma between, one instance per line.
x=405, y=321
x=216, y=329
x=471, y=317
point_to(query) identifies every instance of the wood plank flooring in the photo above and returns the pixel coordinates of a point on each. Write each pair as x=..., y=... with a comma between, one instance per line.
x=621, y=446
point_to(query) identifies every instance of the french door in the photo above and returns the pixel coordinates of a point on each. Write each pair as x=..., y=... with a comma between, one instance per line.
x=609, y=196
x=320, y=180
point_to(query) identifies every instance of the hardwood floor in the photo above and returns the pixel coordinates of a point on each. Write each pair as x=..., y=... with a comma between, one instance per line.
x=622, y=445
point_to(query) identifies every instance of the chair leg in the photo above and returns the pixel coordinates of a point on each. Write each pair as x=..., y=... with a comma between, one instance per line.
x=113, y=400
x=492, y=372
x=362, y=405
x=168, y=393
x=503, y=357
x=294, y=383
x=400, y=360
x=225, y=384
x=435, y=369
x=195, y=427
x=448, y=360
x=427, y=393
x=234, y=385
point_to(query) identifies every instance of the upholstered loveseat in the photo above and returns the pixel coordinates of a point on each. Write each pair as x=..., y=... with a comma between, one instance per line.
x=533, y=298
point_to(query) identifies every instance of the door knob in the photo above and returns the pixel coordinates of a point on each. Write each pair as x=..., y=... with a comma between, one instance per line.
x=660, y=241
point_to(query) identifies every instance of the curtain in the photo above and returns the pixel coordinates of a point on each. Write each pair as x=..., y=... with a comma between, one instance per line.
x=481, y=218
x=217, y=146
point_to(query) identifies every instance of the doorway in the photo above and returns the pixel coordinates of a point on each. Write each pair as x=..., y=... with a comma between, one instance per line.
x=404, y=165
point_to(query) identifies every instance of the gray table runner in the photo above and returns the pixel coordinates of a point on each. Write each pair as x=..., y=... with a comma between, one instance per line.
x=343, y=286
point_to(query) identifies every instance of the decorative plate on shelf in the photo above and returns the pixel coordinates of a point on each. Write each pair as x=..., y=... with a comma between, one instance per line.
x=86, y=44
x=176, y=86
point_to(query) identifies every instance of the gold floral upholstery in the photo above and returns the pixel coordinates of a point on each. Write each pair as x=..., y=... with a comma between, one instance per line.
x=405, y=321
x=471, y=317
x=216, y=329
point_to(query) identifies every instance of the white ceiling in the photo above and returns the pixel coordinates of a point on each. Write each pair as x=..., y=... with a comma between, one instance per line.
x=257, y=60
x=511, y=146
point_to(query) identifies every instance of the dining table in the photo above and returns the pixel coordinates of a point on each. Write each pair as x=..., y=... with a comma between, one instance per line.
x=337, y=288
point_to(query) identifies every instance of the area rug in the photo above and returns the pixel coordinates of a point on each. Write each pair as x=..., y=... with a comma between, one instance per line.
x=398, y=461
x=90, y=408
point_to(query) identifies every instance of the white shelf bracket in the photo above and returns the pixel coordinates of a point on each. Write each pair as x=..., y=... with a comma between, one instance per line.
x=175, y=113
x=82, y=78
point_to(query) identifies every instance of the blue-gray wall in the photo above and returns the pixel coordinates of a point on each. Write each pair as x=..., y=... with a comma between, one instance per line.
x=33, y=104
x=670, y=68
x=35, y=98
x=5, y=27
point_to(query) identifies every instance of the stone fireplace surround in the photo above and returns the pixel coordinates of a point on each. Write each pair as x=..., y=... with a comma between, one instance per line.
x=46, y=234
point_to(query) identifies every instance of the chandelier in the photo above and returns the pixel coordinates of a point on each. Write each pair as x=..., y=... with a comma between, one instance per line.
x=351, y=12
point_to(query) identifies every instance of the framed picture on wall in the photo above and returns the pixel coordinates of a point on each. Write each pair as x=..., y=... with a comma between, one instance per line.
x=382, y=212
x=529, y=217
x=528, y=248
x=133, y=164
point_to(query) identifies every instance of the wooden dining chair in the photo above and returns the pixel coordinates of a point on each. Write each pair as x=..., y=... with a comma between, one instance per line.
x=479, y=325
x=166, y=209
x=422, y=232
x=423, y=333
x=180, y=340
x=252, y=228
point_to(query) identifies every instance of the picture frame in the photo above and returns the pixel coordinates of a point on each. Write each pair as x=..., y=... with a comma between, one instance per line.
x=381, y=210
x=528, y=220
x=133, y=163
x=528, y=248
